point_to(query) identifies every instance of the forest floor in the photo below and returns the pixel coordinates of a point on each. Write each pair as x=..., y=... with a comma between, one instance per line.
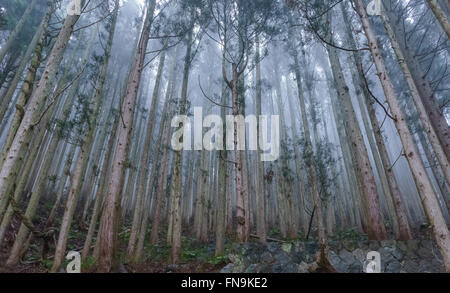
x=196, y=257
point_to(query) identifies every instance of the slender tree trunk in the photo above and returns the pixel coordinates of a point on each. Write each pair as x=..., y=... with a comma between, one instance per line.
x=426, y=192
x=436, y=116
x=260, y=193
x=404, y=230
x=76, y=179
x=27, y=125
x=145, y=169
x=17, y=29
x=375, y=226
x=109, y=229
x=424, y=118
x=178, y=162
x=440, y=15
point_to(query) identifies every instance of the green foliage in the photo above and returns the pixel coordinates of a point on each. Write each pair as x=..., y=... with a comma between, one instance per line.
x=274, y=232
x=347, y=234
x=88, y=263
x=215, y=260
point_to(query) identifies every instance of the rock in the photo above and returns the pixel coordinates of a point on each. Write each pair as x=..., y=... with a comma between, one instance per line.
x=300, y=257
x=427, y=244
x=273, y=247
x=289, y=268
x=277, y=268
x=355, y=267
x=349, y=244
x=393, y=267
x=238, y=262
x=236, y=248
x=266, y=257
x=253, y=268
x=172, y=267
x=359, y=254
x=346, y=256
x=311, y=247
x=424, y=253
x=402, y=246
x=286, y=247
x=412, y=244
x=374, y=245
x=283, y=258
x=227, y=269
x=386, y=257
x=340, y=265
x=387, y=243
x=425, y=266
x=298, y=252
x=363, y=244
x=410, y=266
x=334, y=245
x=302, y=268
x=397, y=253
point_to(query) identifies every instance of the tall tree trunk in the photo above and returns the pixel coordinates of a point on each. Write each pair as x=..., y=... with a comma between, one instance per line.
x=31, y=115
x=404, y=230
x=424, y=118
x=145, y=169
x=436, y=116
x=440, y=15
x=426, y=192
x=16, y=31
x=109, y=228
x=375, y=226
x=76, y=179
x=178, y=161
x=260, y=194
x=308, y=150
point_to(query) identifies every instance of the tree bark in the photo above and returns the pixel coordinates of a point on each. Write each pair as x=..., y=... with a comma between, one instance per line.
x=426, y=192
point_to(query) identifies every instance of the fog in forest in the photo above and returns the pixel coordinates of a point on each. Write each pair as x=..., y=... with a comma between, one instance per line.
x=88, y=93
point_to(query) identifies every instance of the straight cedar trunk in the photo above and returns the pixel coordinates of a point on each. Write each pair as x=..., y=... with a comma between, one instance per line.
x=54, y=110
x=223, y=162
x=440, y=15
x=32, y=48
x=260, y=193
x=404, y=229
x=285, y=191
x=241, y=191
x=425, y=189
x=76, y=180
x=375, y=226
x=161, y=155
x=16, y=31
x=23, y=135
x=160, y=164
x=27, y=86
x=199, y=202
x=424, y=118
x=110, y=217
x=145, y=168
x=298, y=165
x=176, y=190
x=309, y=151
x=99, y=196
x=354, y=185
x=426, y=92
x=187, y=195
x=45, y=169
x=134, y=164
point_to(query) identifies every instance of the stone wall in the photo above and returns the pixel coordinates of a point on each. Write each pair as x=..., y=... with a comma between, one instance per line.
x=413, y=256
